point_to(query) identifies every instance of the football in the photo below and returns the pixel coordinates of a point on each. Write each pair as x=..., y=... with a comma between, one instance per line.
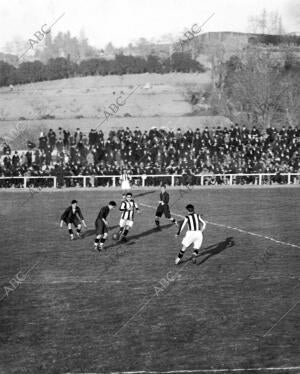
x=115, y=236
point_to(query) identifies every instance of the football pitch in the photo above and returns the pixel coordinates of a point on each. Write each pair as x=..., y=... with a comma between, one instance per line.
x=66, y=308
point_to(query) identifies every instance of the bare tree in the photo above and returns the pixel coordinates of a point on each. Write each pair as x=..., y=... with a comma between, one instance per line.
x=274, y=25
x=17, y=46
x=293, y=103
x=259, y=86
x=266, y=22
x=262, y=21
x=292, y=99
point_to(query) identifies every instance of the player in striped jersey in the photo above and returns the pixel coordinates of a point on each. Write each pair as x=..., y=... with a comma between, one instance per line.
x=125, y=182
x=128, y=208
x=196, y=225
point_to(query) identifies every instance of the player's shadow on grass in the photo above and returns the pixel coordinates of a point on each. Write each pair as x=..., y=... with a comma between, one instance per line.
x=91, y=232
x=143, y=193
x=215, y=249
x=149, y=232
x=141, y=235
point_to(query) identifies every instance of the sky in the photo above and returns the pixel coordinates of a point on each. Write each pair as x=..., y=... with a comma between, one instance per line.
x=125, y=21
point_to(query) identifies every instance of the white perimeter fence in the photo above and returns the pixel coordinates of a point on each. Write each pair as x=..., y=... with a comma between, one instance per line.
x=149, y=180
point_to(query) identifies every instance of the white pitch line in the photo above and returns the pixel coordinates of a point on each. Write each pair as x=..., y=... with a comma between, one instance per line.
x=236, y=229
x=255, y=234
x=61, y=281
x=146, y=280
x=199, y=371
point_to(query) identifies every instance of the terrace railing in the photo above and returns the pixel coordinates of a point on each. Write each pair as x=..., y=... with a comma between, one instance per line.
x=148, y=180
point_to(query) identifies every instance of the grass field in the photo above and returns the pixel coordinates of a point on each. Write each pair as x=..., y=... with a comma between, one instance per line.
x=88, y=97
x=129, y=308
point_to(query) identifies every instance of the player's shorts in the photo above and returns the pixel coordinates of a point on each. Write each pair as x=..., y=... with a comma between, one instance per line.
x=126, y=222
x=193, y=237
x=125, y=185
x=75, y=220
x=101, y=228
x=163, y=209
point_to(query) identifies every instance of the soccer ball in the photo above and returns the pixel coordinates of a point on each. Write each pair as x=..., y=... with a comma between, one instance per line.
x=115, y=236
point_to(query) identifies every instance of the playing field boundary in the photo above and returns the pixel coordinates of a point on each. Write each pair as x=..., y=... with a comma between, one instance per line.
x=149, y=188
x=234, y=228
x=240, y=370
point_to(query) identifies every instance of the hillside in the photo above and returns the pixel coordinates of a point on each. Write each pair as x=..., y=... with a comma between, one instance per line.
x=81, y=102
x=90, y=96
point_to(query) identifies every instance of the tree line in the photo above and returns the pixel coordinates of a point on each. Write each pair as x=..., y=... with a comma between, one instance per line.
x=59, y=68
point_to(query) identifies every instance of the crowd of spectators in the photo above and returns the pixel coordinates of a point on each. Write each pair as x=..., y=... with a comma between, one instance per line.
x=158, y=151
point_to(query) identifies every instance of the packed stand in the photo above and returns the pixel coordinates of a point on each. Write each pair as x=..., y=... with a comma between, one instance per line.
x=158, y=151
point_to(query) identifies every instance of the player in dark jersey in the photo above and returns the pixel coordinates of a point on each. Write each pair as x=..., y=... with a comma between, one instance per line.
x=101, y=225
x=163, y=207
x=73, y=215
x=196, y=225
x=128, y=208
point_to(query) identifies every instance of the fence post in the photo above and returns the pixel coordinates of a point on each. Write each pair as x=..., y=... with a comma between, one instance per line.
x=114, y=181
x=259, y=179
x=201, y=180
x=84, y=181
x=25, y=182
x=54, y=182
x=172, y=181
x=143, y=181
x=289, y=178
x=230, y=179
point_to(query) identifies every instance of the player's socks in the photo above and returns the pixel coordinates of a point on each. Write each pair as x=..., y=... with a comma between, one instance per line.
x=78, y=232
x=195, y=254
x=123, y=237
x=157, y=222
x=179, y=257
x=158, y=228
x=102, y=241
x=71, y=234
x=121, y=233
